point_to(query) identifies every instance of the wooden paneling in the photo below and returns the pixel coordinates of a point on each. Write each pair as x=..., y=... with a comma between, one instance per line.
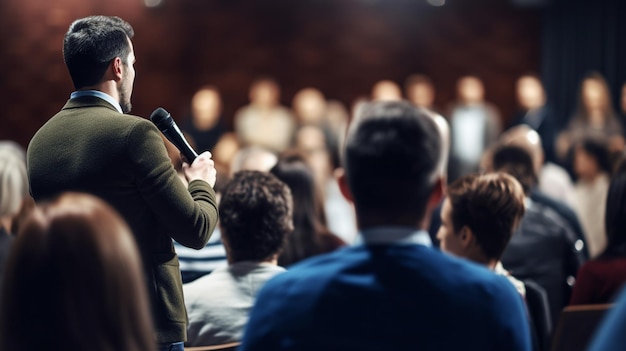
x=339, y=46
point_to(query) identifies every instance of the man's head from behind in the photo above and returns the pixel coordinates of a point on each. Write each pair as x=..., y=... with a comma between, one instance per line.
x=479, y=216
x=255, y=216
x=391, y=156
x=92, y=43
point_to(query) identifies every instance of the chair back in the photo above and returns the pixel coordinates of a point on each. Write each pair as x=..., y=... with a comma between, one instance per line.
x=222, y=347
x=577, y=326
x=539, y=311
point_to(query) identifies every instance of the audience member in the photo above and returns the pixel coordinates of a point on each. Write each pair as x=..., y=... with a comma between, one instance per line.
x=594, y=118
x=386, y=90
x=337, y=118
x=253, y=159
x=474, y=124
x=394, y=291
x=535, y=112
x=554, y=180
x=310, y=236
x=543, y=248
x=264, y=122
x=600, y=279
x=309, y=107
x=478, y=218
x=92, y=146
x=197, y=263
x=13, y=193
x=555, y=189
x=310, y=142
x=593, y=167
x=420, y=91
x=223, y=153
x=255, y=218
x=204, y=125
x=74, y=282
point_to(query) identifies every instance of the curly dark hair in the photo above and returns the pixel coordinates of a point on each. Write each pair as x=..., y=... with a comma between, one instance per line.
x=255, y=216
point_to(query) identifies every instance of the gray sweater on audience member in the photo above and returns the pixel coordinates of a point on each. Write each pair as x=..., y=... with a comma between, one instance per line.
x=218, y=304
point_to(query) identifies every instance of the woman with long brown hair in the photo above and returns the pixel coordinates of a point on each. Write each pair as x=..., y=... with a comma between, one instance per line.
x=74, y=282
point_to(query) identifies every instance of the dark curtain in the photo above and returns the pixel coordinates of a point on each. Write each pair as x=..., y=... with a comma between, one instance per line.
x=580, y=36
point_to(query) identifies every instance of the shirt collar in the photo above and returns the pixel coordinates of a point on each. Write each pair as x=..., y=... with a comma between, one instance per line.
x=104, y=96
x=394, y=236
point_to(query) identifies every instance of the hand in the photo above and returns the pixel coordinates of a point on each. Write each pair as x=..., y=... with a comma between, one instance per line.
x=202, y=168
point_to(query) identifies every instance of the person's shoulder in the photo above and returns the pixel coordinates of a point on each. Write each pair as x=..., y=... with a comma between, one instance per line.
x=318, y=268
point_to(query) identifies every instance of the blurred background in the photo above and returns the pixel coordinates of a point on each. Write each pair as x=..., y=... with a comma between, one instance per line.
x=341, y=47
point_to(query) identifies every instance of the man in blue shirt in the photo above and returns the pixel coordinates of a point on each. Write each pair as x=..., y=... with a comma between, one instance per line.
x=394, y=291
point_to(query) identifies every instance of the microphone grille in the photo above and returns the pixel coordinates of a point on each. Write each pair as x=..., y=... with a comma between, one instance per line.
x=160, y=117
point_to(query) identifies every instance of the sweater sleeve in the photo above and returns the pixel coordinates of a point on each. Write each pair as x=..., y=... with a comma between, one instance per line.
x=188, y=215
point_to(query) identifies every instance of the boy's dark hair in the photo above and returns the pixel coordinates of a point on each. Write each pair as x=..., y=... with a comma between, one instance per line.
x=491, y=206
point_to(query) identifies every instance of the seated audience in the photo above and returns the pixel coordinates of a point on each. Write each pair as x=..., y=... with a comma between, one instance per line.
x=264, y=122
x=204, y=125
x=393, y=292
x=310, y=236
x=255, y=219
x=600, y=279
x=592, y=166
x=74, y=281
x=543, y=248
x=478, y=218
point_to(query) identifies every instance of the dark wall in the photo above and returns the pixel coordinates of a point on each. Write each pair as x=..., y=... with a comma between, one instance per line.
x=341, y=47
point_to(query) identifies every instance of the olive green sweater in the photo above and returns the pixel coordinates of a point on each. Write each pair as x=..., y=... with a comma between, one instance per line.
x=90, y=147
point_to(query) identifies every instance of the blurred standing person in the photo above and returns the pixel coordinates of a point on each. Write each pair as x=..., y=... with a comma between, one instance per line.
x=386, y=90
x=593, y=168
x=594, y=118
x=599, y=280
x=309, y=107
x=93, y=146
x=535, y=113
x=474, y=125
x=74, y=282
x=204, y=125
x=264, y=122
x=420, y=91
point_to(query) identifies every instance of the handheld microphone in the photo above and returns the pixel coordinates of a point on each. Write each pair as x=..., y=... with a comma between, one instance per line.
x=164, y=121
